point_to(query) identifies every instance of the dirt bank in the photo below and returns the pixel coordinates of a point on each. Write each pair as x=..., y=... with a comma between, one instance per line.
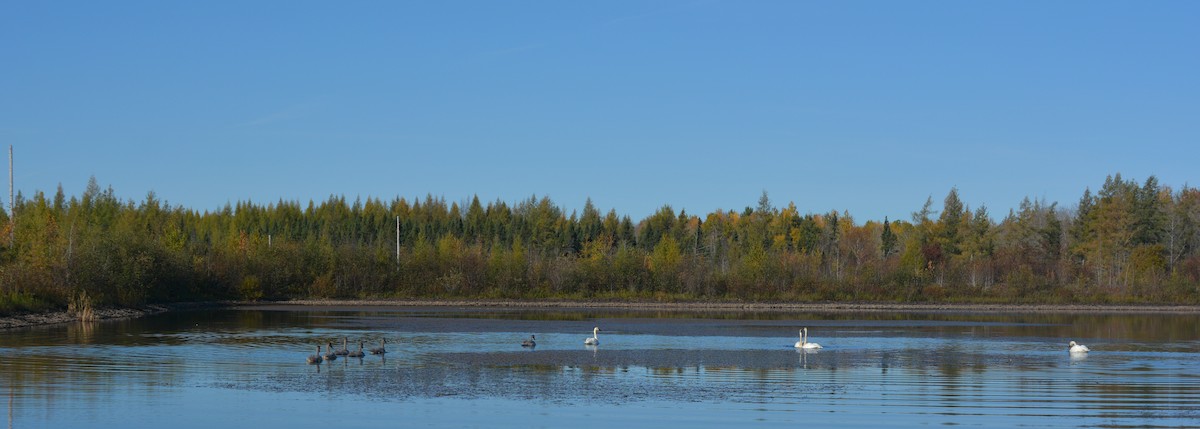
x=56, y=317
x=101, y=314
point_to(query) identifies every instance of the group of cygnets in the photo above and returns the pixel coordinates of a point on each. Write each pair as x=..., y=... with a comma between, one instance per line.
x=333, y=354
x=593, y=340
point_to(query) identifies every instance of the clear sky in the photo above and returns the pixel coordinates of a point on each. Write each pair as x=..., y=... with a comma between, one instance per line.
x=868, y=107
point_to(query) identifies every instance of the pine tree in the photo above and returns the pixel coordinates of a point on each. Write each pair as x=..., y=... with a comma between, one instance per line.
x=950, y=223
x=887, y=239
x=1149, y=215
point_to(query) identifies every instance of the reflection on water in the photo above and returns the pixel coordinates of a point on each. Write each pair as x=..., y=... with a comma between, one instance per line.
x=467, y=368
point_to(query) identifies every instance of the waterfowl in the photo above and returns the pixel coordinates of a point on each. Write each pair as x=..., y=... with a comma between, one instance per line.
x=358, y=353
x=1077, y=348
x=380, y=350
x=330, y=355
x=594, y=340
x=344, y=350
x=530, y=342
x=804, y=344
x=315, y=358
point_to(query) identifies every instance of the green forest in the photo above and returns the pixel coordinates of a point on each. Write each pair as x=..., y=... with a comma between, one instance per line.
x=1129, y=242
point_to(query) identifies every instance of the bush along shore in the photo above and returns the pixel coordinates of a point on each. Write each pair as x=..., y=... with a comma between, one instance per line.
x=1127, y=243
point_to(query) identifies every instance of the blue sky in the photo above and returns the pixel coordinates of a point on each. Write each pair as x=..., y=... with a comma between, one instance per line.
x=868, y=107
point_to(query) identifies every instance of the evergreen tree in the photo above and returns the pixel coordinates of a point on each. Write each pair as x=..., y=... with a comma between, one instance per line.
x=887, y=239
x=590, y=224
x=950, y=223
x=764, y=204
x=833, y=250
x=475, y=225
x=1082, y=224
x=1150, y=217
x=978, y=247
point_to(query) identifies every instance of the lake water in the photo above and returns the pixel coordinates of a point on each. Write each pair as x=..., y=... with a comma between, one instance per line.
x=465, y=368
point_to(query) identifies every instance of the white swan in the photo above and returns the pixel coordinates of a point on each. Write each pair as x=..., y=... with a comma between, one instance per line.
x=804, y=344
x=593, y=340
x=1077, y=348
x=800, y=344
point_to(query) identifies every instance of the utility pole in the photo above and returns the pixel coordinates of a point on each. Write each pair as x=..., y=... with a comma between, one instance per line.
x=12, y=213
x=397, y=240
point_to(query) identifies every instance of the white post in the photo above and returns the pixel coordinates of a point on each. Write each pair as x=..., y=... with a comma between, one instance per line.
x=12, y=203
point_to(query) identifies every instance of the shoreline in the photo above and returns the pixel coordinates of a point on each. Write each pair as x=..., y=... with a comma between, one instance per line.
x=831, y=307
x=62, y=316
x=101, y=314
x=111, y=314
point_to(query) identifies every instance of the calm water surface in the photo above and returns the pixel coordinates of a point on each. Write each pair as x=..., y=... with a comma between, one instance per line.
x=466, y=368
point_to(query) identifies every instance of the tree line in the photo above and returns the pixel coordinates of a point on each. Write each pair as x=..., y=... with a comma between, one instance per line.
x=1128, y=242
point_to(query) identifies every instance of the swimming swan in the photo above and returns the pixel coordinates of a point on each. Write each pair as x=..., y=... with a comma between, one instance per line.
x=804, y=344
x=380, y=350
x=1077, y=348
x=594, y=340
x=345, y=350
x=315, y=358
x=330, y=355
x=530, y=342
x=359, y=353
